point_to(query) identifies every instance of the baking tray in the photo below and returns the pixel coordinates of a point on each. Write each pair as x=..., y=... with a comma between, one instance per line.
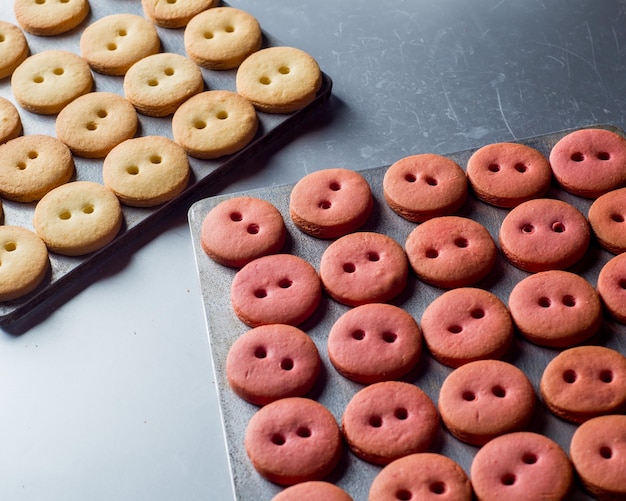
x=333, y=390
x=66, y=271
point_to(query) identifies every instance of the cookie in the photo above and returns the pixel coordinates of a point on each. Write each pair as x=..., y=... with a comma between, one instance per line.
x=24, y=262
x=10, y=121
x=555, y=308
x=374, y=342
x=158, y=84
x=113, y=43
x=607, y=216
x=520, y=466
x=466, y=324
x=293, y=440
x=364, y=267
x=276, y=289
x=313, y=491
x=93, y=124
x=331, y=203
x=172, y=14
x=584, y=382
x=13, y=48
x=611, y=287
x=32, y=165
x=544, y=234
x=47, y=81
x=222, y=37
x=272, y=362
x=241, y=229
x=78, y=218
x=146, y=171
x=589, y=162
x=420, y=187
x=451, y=251
x=214, y=123
x=507, y=174
x=279, y=79
x=597, y=451
x=425, y=476
x=485, y=399
x=50, y=18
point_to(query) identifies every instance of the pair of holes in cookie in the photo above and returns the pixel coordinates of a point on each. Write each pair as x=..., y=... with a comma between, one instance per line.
x=286, y=363
x=58, y=71
x=87, y=209
x=252, y=228
x=326, y=204
x=476, y=313
x=31, y=155
x=399, y=413
x=428, y=180
x=112, y=46
x=371, y=256
x=281, y=438
x=202, y=124
x=42, y=2
x=386, y=336
x=282, y=70
x=93, y=125
x=579, y=156
x=435, y=487
x=497, y=391
x=556, y=227
x=570, y=376
x=567, y=300
x=168, y=72
x=459, y=242
x=283, y=283
x=518, y=167
x=209, y=35
x=528, y=458
x=134, y=170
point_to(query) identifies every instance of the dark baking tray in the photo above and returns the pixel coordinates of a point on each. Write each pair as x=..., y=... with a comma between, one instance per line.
x=66, y=271
x=333, y=390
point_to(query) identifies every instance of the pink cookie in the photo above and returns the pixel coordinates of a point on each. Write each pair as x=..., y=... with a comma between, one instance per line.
x=607, y=216
x=313, y=491
x=612, y=287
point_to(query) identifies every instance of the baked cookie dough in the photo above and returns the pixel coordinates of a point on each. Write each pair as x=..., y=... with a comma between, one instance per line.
x=13, y=48
x=48, y=18
x=146, y=171
x=173, y=14
x=10, y=121
x=611, y=287
x=314, y=490
x=607, y=216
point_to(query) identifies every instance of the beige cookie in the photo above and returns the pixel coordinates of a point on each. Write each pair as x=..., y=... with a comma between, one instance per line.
x=221, y=38
x=23, y=262
x=146, y=171
x=157, y=85
x=78, y=218
x=49, y=17
x=279, y=79
x=32, y=165
x=173, y=14
x=45, y=82
x=10, y=121
x=93, y=124
x=13, y=48
x=214, y=123
x=114, y=43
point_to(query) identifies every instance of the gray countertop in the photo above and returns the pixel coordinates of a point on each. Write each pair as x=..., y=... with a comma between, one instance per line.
x=110, y=393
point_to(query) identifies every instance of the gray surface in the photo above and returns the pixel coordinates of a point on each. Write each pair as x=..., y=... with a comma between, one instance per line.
x=111, y=396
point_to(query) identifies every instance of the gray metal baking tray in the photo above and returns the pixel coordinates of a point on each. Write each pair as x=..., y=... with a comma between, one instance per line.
x=67, y=272
x=333, y=390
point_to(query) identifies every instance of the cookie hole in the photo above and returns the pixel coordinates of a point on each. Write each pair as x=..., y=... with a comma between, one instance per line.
x=437, y=488
x=349, y=268
x=544, y=302
x=622, y=283
x=133, y=170
x=389, y=337
x=221, y=115
x=277, y=438
x=373, y=256
x=606, y=376
x=432, y=253
x=558, y=227
x=401, y=413
x=156, y=159
x=265, y=81
x=229, y=29
x=58, y=71
x=112, y=46
x=284, y=70
x=260, y=352
x=303, y=432
x=199, y=124
x=358, y=335
x=253, y=229
x=285, y=283
x=21, y=165
x=404, y=495
x=208, y=35
x=570, y=376
x=65, y=1
x=618, y=218
x=91, y=126
x=334, y=186
x=469, y=396
x=529, y=458
x=461, y=242
x=431, y=181
x=260, y=293
x=236, y=216
x=455, y=329
x=65, y=215
x=477, y=313
x=32, y=155
x=577, y=157
x=122, y=32
x=508, y=479
x=410, y=178
x=153, y=82
x=375, y=421
x=38, y=79
x=528, y=229
x=171, y=1
x=606, y=452
x=604, y=155
x=40, y=2
x=493, y=168
x=286, y=364
x=520, y=167
x=102, y=113
x=10, y=246
x=325, y=205
x=88, y=209
x=2, y=39
x=569, y=301
x=498, y=391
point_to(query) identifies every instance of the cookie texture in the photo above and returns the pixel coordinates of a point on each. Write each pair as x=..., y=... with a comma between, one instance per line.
x=50, y=18
x=10, y=121
x=13, y=48
x=174, y=14
x=611, y=287
x=312, y=491
x=607, y=217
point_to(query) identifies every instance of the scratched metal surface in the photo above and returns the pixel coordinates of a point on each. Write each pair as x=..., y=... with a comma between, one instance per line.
x=333, y=390
x=64, y=269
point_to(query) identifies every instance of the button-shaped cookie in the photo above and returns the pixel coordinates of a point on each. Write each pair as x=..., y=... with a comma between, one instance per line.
x=611, y=287
x=173, y=14
x=48, y=18
x=607, y=216
x=13, y=48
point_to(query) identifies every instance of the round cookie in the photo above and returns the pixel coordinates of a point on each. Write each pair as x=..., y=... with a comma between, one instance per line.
x=607, y=216
x=113, y=43
x=598, y=452
x=544, y=234
x=589, y=162
x=584, y=382
x=485, y=399
x=32, y=165
x=279, y=79
x=50, y=18
x=13, y=48
x=146, y=171
x=293, y=440
x=158, y=84
x=78, y=218
x=520, y=466
x=93, y=124
x=271, y=362
x=466, y=324
x=24, y=262
x=10, y=121
x=451, y=251
x=507, y=174
x=555, y=308
x=276, y=289
x=241, y=229
x=214, y=123
x=364, y=267
x=423, y=476
x=374, y=342
x=222, y=37
x=47, y=81
x=330, y=203
x=172, y=14
x=420, y=187
x=611, y=287
x=313, y=491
